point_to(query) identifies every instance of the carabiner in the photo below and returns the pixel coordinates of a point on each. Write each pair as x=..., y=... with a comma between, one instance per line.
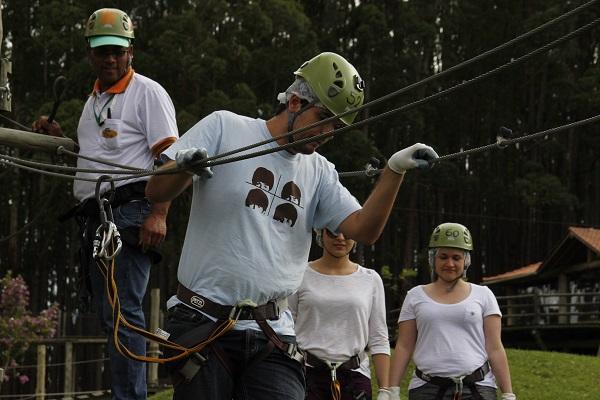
x=98, y=195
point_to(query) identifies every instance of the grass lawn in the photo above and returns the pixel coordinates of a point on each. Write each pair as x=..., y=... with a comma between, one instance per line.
x=536, y=375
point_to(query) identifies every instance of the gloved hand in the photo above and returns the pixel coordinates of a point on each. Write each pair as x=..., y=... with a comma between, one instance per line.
x=416, y=156
x=188, y=157
x=383, y=394
x=508, y=396
x=391, y=393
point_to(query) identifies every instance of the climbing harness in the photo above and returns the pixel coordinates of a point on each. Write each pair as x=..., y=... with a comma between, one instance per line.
x=445, y=383
x=320, y=364
x=243, y=310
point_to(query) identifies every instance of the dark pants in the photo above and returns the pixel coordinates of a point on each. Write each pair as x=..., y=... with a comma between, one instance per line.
x=271, y=376
x=429, y=392
x=353, y=385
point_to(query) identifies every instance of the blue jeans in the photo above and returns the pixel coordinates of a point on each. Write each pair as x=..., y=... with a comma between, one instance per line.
x=132, y=272
x=429, y=391
x=274, y=376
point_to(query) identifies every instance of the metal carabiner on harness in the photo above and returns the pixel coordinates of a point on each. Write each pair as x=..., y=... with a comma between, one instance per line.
x=241, y=306
x=111, y=236
x=107, y=233
x=458, y=387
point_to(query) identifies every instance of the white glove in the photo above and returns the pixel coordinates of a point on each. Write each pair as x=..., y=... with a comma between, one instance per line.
x=188, y=157
x=416, y=156
x=508, y=396
x=383, y=394
x=391, y=393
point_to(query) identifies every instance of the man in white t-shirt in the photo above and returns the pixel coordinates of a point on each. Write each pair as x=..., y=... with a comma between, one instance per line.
x=451, y=329
x=128, y=119
x=250, y=225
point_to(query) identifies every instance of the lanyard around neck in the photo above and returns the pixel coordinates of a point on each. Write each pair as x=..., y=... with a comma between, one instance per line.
x=98, y=116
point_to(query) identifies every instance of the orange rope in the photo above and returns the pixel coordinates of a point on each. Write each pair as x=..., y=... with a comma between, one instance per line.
x=118, y=319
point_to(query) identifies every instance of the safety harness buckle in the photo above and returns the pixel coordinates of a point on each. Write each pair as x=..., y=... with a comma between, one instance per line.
x=333, y=368
x=192, y=366
x=241, y=306
x=294, y=352
x=458, y=386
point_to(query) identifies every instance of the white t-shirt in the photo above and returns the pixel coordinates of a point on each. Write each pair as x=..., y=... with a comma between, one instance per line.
x=339, y=316
x=140, y=117
x=450, y=338
x=249, y=232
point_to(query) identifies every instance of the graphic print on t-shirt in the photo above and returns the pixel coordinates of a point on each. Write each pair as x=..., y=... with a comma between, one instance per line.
x=264, y=194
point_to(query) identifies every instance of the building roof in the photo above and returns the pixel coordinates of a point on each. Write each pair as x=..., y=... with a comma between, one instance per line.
x=589, y=236
x=522, y=272
x=572, y=249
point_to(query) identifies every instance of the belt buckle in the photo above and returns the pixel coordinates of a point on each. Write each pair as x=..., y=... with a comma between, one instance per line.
x=275, y=310
x=294, y=352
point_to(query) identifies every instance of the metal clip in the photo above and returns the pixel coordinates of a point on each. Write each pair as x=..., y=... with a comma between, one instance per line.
x=294, y=352
x=458, y=387
x=503, y=137
x=372, y=167
x=333, y=367
x=97, y=242
x=241, y=305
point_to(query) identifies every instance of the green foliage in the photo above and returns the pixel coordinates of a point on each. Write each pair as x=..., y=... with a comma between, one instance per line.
x=539, y=189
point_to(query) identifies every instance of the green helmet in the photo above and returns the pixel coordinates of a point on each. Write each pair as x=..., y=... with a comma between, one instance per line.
x=109, y=27
x=451, y=234
x=335, y=82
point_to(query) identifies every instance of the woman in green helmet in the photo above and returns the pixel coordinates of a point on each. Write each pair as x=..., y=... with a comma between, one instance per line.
x=451, y=329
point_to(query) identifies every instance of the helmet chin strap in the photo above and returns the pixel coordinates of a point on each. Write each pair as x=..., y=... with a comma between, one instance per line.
x=292, y=118
x=454, y=281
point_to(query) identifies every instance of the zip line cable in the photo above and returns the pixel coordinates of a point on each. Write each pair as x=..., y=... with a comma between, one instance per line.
x=27, y=128
x=17, y=160
x=500, y=144
x=381, y=99
x=61, y=150
x=220, y=158
x=461, y=85
x=428, y=79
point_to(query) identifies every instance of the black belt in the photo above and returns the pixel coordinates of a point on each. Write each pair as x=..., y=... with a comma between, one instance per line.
x=475, y=376
x=122, y=194
x=270, y=310
x=352, y=363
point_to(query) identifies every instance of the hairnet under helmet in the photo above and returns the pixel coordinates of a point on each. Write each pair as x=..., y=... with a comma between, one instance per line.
x=335, y=82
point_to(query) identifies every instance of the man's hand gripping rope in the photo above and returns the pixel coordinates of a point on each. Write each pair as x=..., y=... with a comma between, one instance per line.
x=190, y=160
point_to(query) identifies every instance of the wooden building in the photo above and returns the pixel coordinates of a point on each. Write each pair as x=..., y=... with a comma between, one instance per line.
x=554, y=304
